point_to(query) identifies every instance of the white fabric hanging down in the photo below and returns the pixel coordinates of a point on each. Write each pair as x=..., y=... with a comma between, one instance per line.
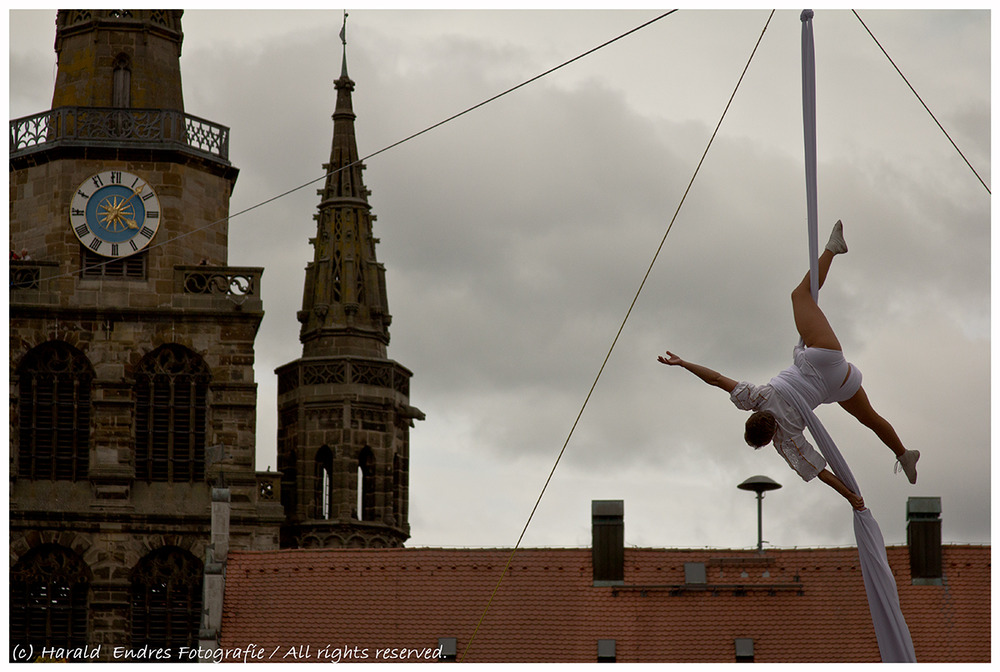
x=894, y=642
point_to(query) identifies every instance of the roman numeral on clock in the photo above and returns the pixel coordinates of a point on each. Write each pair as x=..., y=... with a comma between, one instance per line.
x=146, y=231
x=82, y=230
x=96, y=244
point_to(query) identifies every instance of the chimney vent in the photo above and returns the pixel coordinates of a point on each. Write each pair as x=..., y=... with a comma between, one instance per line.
x=608, y=550
x=695, y=574
x=923, y=537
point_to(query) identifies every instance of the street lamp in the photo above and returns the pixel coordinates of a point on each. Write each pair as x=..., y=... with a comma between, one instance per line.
x=760, y=485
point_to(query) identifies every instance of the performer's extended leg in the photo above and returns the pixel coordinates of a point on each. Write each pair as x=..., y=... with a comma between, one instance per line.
x=810, y=321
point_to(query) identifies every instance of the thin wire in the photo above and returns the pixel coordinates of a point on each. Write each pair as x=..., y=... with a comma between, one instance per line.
x=967, y=162
x=384, y=149
x=621, y=328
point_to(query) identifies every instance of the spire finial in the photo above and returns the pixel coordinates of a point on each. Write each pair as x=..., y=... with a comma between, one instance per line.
x=343, y=40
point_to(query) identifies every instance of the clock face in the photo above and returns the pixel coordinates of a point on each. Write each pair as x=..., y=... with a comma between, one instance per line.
x=115, y=213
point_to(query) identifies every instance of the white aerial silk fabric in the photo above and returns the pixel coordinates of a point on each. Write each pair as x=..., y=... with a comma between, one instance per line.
x=894, y=642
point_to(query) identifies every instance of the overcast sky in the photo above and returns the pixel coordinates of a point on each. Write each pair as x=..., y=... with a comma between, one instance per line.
x=515, y=238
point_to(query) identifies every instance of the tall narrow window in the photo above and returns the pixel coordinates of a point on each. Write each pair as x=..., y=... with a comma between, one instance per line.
x=48, y=599
x=54, y=425
x=166, y=600
x=171, y=396
x=366, y=485
x=121, y=82
x=397, y=489
x=324, y=484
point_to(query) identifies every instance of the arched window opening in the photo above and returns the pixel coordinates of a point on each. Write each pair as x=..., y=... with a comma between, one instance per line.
x=366, y=485
x=171, y=396
x=166, y=600
x=54, y=400
x=288, y=466
x=48, y=599
x=397, y=489
x=324, y=484
x=121, y=82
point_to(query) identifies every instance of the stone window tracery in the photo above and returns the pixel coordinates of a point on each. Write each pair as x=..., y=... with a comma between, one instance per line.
x=171, y=392
x=49, y=590
x=166, y=597
x=55, y=382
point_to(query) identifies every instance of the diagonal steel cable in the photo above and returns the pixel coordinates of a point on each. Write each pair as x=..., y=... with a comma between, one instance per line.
x=953, y=144
x=621, y=328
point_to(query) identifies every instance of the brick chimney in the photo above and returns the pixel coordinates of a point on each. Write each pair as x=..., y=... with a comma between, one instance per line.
x=923, y=536
x=608, y=549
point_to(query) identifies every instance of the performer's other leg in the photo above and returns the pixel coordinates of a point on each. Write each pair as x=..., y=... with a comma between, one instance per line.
x=861, y=408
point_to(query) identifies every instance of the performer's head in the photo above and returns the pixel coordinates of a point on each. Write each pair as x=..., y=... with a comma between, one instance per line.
x=761, y=426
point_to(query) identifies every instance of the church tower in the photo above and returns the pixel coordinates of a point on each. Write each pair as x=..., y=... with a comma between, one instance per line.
x=132, y=394
x=343, y=407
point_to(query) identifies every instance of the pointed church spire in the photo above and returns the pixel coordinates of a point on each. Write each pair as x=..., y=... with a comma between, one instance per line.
x=344, y=307
x=344, y=412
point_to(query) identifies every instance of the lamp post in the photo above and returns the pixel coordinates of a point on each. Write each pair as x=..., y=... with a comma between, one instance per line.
x=760, y=485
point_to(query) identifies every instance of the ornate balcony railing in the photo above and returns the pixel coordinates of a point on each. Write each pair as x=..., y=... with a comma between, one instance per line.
x=229, y=280
x=202, y=286
x=344, y=371
x=146, y=128
x=28, y=274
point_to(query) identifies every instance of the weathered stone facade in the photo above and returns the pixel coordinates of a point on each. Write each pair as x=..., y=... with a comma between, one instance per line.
x=110, y=480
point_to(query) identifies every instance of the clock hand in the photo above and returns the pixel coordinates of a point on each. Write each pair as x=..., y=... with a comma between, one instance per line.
x=134, y=194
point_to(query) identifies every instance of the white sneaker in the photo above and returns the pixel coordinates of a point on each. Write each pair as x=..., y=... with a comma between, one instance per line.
x=837, y=244
x=908, y=462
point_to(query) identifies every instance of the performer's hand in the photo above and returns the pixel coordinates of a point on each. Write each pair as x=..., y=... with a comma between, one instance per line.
x=857, y=501
x=670, y=360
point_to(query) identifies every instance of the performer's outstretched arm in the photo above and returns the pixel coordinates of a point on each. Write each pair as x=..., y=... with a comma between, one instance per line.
x=830, y=479
x=711, y=377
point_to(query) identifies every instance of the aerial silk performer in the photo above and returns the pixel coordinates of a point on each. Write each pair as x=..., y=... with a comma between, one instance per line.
x=894, y=642
x=820, y=374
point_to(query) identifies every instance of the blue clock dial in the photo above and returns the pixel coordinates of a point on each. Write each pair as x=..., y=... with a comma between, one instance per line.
x=115, y=213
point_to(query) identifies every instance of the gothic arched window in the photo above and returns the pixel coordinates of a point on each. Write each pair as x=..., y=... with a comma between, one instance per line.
x=397, y=489
x=166, y=600
x=171, y=415
x=48, y=599
x=54, y=402
x=366, y=485
x=121, y=82
x=324, y=484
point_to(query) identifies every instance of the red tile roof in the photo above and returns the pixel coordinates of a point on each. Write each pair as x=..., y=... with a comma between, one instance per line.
x=796, y=605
